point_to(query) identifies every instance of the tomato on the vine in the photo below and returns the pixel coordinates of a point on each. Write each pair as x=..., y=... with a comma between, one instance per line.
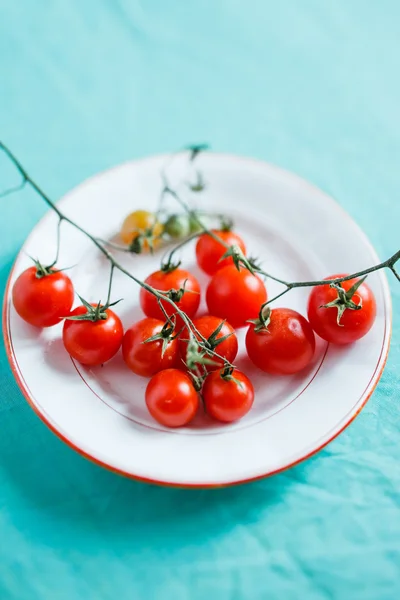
x=171, y=398
x=42, y=297
x=149, y=346
x=353, y=323
x=209, y=251
x=235, y=295
x=221, y=338
x=177, y=226
x=195, y=223
x=138, y=223
x=92, y=342
x=185, y=292
x=227, y=396
x=284, y=345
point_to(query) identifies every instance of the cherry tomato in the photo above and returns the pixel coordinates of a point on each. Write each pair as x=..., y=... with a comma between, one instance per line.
x=172, y=280
x=235, y=295
x=147, y=358
x=92, y=343
x=285, y=347
x=137, y=223
x=227, y=399
x=171, y=398
x=207, y=325
x=177, y=226
x=354, y=324
x=194, y=224
x=43, y=300
x=209, y=251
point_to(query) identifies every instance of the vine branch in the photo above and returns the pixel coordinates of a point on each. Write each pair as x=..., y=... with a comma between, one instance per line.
x=389, y=263
x=114, y=264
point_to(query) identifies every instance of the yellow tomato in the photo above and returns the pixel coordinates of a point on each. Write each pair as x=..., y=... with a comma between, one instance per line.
x=139, y=222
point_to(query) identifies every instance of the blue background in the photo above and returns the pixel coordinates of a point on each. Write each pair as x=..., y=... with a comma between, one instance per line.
x=310, y=85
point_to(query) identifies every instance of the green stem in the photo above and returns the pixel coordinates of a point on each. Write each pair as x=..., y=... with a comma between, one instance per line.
x=114, y=246
x=112, y=268
x=395, y=273
x=13, y=189
x=167, y=258
x=60, y=220
x=389, y=263
x=277, y=296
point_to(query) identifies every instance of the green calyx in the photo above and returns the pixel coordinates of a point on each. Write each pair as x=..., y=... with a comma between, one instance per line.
x=263, y=320
x=344, y=299
x=227, y=374
x=165, y=335
x=226, y=223
x=213, y=340
x=239, y=259
x=199, y=353
x=195, y=150
x=197, y=380
x=255, y=263
x=176, y=295
x=93, y=313
x=199, y=185
x=136, y=245
x=43, y=271
x=170, y=265
x=140, y=241
x=196, y=356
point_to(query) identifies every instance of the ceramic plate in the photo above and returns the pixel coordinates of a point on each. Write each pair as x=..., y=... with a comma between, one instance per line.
x=299, y=232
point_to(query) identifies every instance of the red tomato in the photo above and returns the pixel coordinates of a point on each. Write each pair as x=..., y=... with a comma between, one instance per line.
x=146, y=358
x=354, y=324
x=209, y=251
x=207, y=325
x=173, y=280
x=43, y=301
x=171, y=398
x=227, y=399
x=285, y=347
x=93, y=343
x=235, y=295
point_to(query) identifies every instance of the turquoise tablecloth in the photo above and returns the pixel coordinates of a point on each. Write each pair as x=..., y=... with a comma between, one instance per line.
x=310, y=85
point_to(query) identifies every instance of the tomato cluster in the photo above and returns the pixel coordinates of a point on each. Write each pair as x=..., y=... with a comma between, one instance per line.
x=184, y=355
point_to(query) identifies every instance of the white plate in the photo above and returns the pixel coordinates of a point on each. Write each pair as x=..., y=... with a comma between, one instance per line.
x=300, y=233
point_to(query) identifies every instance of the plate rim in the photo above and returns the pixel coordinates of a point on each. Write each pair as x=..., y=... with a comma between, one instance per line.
x=361, y=403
